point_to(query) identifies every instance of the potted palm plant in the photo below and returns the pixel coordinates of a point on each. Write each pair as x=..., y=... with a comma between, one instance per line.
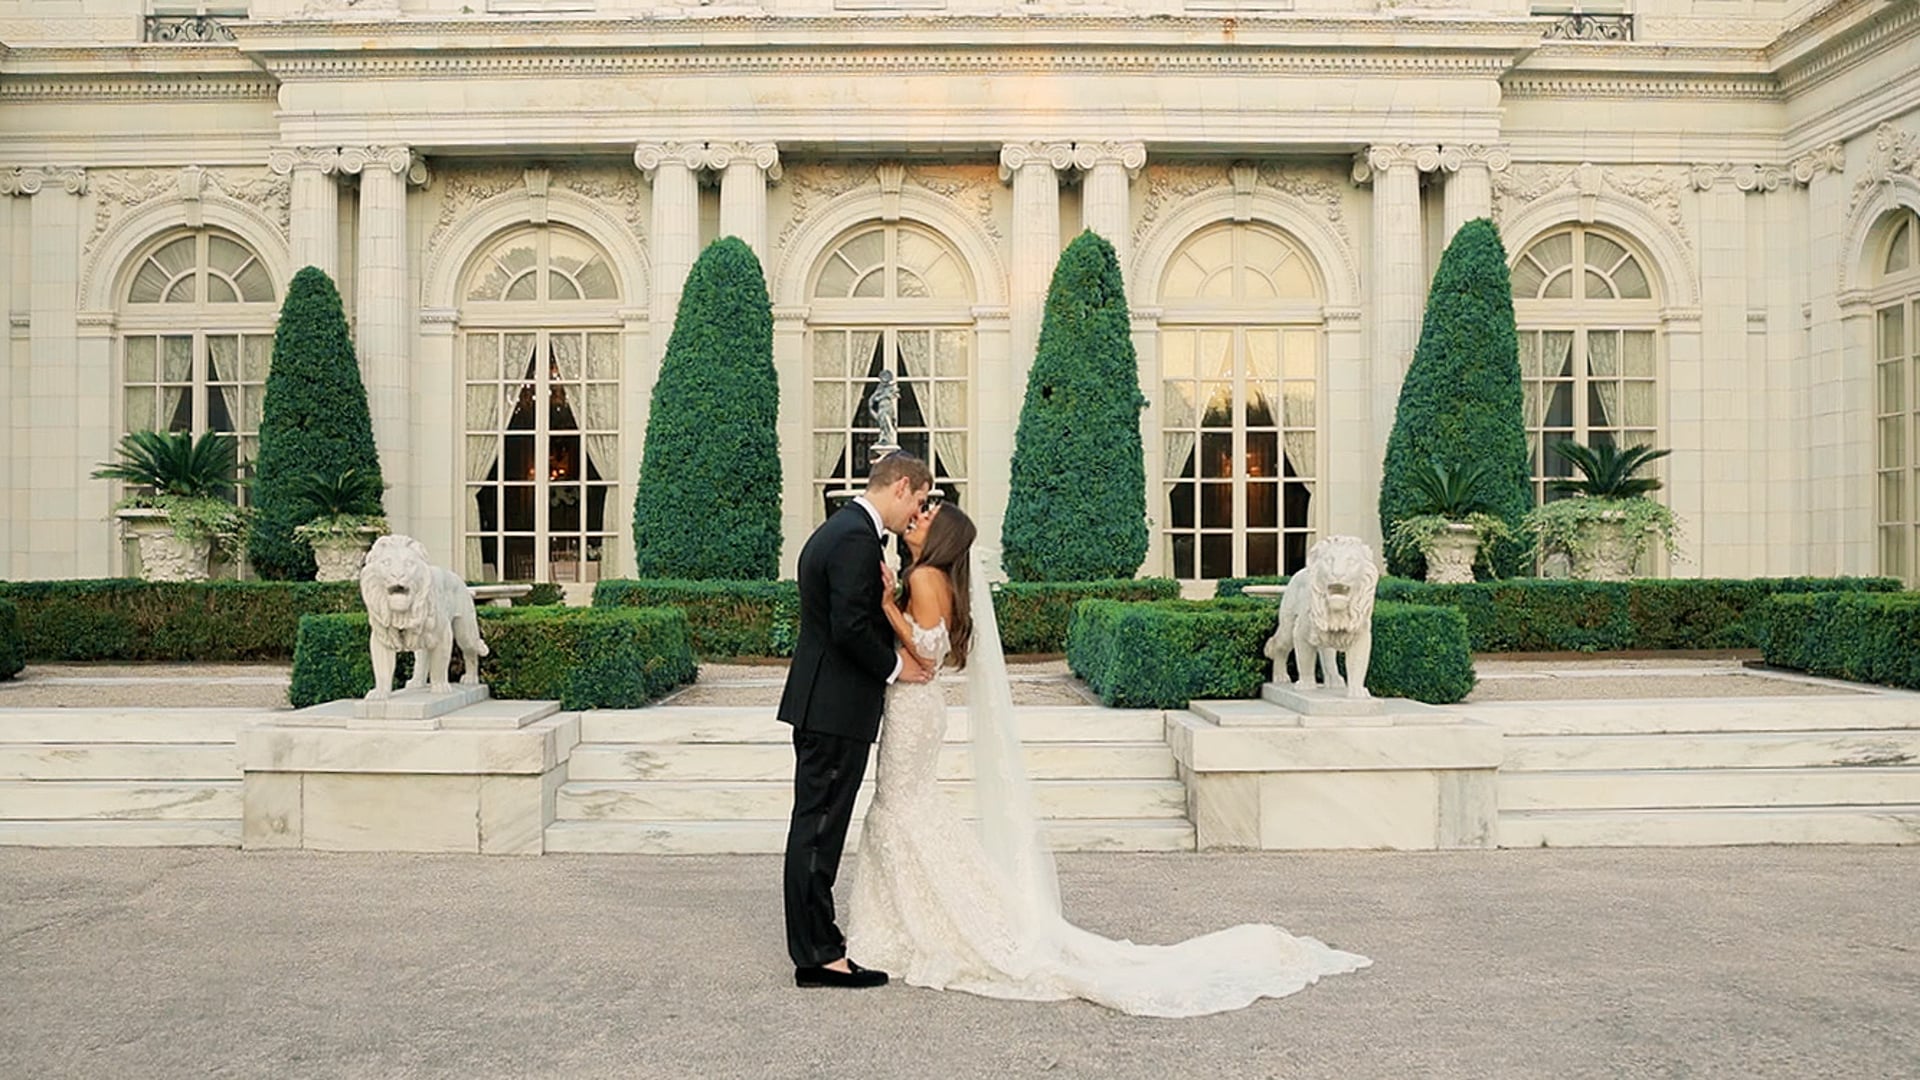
x=179, y=510
x=1605, y=526
x=342, y=518
x=1450, y=524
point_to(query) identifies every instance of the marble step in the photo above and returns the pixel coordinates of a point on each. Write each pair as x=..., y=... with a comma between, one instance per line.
x=223, y=833
x=652, y=800
x=1712, y=750
x=1710, y=827
x=1880, y=710
x=125, y=725
x=119, y=761
x=717, y=724
x=1681, y=788
x=769, y=761
x=769, y=837
x=117, y=800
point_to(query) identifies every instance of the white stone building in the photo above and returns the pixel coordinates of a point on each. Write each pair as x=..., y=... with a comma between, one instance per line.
x=1710, y=207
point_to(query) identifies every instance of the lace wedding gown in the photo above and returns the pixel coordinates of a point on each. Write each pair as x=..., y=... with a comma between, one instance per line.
x=932, y=906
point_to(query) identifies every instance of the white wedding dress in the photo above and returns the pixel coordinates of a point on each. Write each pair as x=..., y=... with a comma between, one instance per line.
x=943, y=904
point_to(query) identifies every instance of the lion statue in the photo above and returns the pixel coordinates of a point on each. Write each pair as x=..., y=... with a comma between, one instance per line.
x=1328, y=608
x=414, y=606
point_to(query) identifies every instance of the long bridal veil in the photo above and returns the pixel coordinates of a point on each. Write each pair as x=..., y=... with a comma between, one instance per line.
x=1227, y=969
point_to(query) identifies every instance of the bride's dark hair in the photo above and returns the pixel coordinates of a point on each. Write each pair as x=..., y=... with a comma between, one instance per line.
x=949, y=539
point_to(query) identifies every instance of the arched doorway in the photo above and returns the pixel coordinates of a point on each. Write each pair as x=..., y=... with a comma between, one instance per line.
x=540, y=336
x=1241, y=346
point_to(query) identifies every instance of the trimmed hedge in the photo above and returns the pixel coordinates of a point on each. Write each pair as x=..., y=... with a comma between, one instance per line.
x=1864, y=637
x=13, y=649
x=1168, y=653
x=1460, y=403
x=1034, y=615
x=127, y=619
x=1077, y=497
x=585, y=658
x=724, y=618
x=1539, y=615
x=707, y=502
x=313, y=419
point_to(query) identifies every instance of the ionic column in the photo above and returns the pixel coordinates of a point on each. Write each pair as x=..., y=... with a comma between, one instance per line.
x=64, y=534
x=1469, y=190
x=1398, y=279
x=315, y=204
x=1034, y=171
x=746, y=168
x=675, y=238
x=1107, y=168
x=380, y=305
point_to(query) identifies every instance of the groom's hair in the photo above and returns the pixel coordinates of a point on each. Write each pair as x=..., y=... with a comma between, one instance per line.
x=896, y=465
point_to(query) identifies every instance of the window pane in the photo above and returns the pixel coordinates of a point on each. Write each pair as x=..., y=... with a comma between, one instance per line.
x=1899, y=253
x=257, y=354
x=1893, y=334
x=1893, y=490
x=830, y=354
x=1180, y=556
x=523, y=287
x=603, y=357
x=1598, y=288
x=829, y=404
x=1637, y=352
x=597, y=282
x=220, y=291
x=1603, y=253
x=1300, y=404
x=1176, y=354
x=1893, y=442
x=1603, y=353
x=1641, y=408
x=176, y=359
x=1263, y=453
x=1631, y=282
x=140, y=359
x=1554, y=252
x=1216, y=455
x=181, y=292
x=560, y=287
x=1527, y=277
x=1559, y=287
x=1180, y=511
x=1263, y=554
x=1263, y=506
x=140, y=408
x=1216, y=555
x=950, y=353
x=1219, y=410
x=1893, y=395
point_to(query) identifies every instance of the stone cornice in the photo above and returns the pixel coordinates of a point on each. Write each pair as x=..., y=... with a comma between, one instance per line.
x=141, y=87
x=1617, y=85
x=1804, y=63
x=33, y=179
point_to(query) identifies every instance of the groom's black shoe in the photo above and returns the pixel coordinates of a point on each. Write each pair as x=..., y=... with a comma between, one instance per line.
x=857, y=979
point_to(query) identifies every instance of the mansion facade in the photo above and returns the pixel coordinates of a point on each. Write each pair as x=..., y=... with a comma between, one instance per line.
x=1709, y=208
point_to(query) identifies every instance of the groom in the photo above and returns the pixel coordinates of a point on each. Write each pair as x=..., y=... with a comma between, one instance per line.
x=842, y=663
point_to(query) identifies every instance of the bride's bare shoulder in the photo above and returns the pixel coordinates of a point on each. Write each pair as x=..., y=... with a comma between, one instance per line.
x=931, y=595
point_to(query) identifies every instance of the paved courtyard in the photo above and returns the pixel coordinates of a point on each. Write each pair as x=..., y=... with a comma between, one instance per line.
x=1754, y=962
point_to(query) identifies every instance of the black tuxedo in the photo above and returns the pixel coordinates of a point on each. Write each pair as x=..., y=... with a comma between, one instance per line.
x=833, y=698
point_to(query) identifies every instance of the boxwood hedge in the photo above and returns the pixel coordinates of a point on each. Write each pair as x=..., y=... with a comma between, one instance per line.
x=1557, y=615
x=1866, y=637
x=1167, y=653
x=13, y=651
x=585, y=658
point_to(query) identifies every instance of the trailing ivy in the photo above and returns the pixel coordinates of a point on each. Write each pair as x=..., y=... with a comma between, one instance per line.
x=314, y=421
x=1460, y=404
x=707, y=502
x=1076, y=509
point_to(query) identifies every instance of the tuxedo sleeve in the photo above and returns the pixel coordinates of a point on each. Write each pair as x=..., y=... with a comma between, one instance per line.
x=853, y=578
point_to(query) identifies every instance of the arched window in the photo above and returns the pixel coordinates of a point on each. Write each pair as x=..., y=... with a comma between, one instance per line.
x=541, y=335
x=1588, y=324
x=196, y=338
x=1897, y=396
x=1240, y=348
x=890, y=297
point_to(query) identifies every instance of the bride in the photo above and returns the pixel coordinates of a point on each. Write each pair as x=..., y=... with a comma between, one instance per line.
x=954, y=906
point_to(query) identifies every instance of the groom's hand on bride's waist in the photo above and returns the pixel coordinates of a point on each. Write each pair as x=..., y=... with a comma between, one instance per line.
x=911, y=669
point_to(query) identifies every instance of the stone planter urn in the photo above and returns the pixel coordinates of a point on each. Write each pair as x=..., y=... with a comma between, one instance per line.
x=164, y=554
x=1450, y=556
x=339, y=556
x=1604, y=552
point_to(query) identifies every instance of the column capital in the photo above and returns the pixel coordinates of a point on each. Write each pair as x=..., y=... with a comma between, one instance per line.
x=765, y=155
x=1496, y=158
x=400, y=160
x=1390, y=156
x=1745, y=176
x=648, y=157
x=285, y=160
x=1831, y=158
x=1131, y=156
x=32, y=179
x=1018, y=155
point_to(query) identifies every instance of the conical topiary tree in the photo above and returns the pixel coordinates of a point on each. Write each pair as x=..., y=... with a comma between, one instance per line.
x=1076, y=510
x=707, y=503
x=1460, y=403
x=313, y=423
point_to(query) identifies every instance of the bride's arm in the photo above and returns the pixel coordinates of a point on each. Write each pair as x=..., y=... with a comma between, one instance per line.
x=932, y=594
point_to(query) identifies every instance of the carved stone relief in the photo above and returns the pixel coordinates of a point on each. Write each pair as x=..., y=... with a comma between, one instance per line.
x=1895, y=153
x=1316, y=191
x=614, y=187
x=970, y=187
x=812, y=185
x=1657, y=187
x=467, y=187
x=1171, y=183
x=118, y=191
